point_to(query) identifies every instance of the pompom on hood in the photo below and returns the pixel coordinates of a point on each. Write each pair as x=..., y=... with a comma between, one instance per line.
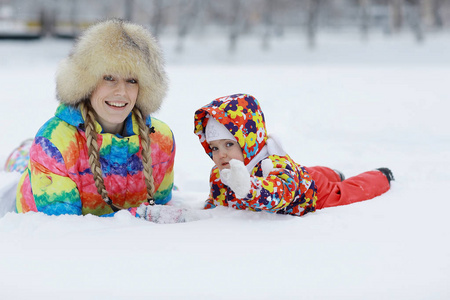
x=113, y=47
x=242, y=116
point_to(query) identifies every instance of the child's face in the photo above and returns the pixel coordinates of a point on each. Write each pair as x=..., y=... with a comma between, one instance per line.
x=225, y=150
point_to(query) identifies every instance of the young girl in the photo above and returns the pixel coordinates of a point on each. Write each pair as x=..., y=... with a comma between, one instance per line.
x=102, y=152
x=253, y=172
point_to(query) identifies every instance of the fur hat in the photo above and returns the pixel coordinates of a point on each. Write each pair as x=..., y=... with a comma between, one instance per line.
x=113, y=47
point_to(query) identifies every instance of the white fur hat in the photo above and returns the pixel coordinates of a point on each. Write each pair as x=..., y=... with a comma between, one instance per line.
x=216, y=131
x=113, y=47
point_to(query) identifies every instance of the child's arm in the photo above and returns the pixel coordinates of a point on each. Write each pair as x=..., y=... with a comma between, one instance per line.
x=273, y=192
x=217, y=190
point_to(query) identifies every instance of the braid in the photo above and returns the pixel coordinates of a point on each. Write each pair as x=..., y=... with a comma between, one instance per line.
x=94, y=161
x=144, y=133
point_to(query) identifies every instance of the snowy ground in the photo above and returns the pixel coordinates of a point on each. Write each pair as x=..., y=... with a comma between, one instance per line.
x=349, y=105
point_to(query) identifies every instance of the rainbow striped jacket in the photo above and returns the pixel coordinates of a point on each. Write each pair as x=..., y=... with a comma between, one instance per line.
x=58, y=179
x=287, y=189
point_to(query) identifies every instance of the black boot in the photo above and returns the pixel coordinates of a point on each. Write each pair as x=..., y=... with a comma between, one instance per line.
x=341, y=175
x=388, y=173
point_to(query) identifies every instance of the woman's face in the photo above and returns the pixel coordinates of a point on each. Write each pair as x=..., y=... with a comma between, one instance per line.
x=112, y=100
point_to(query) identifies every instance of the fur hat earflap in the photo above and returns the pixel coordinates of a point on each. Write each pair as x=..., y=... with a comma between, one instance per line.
x=113, y=47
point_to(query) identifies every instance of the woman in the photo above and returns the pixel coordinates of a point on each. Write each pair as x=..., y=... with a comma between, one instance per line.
x=102, y=151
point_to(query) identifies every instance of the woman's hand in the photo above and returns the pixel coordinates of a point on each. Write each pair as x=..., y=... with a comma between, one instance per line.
x=166, y=214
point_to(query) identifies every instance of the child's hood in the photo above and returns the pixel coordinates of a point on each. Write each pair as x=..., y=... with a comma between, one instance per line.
x=242, y=116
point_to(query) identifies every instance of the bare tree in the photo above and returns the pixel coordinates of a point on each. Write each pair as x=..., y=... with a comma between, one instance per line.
x=128, y=10
x=267, y=17
x=437, y=18
x=47, y=18
x=396, y=15
x=157, y=19
x=187, y=13
x=365, y=18
x=73, y=18
x=312, y=20
x=235, y=23
x=431, y=11
x=414, y=9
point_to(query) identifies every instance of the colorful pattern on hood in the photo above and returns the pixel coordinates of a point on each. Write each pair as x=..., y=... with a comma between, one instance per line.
x=242, y=116
x=287, y=189
x=58, y=179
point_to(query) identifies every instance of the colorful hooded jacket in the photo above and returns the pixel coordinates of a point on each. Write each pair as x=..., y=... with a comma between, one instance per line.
x=287, y=189
x=58, y=179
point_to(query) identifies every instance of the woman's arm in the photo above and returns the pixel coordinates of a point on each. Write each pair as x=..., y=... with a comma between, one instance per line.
x=45, y=185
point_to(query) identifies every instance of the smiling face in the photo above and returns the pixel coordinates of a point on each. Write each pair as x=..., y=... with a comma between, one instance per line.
x=112, y=100
x=225, y=150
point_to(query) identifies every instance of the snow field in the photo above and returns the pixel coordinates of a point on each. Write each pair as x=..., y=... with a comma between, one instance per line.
x=349, y=106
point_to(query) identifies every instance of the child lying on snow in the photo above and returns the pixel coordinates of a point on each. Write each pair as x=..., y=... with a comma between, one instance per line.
x=253, y=172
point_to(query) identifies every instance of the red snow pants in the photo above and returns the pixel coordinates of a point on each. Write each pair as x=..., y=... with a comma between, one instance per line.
x=332, y=192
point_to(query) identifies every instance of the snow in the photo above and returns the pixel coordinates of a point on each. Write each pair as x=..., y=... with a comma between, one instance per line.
x=349, y=105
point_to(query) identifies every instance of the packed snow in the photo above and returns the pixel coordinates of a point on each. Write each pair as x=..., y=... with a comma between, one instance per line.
x=350, y=105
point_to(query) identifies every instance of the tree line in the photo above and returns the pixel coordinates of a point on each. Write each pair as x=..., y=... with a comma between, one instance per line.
x=236, y=18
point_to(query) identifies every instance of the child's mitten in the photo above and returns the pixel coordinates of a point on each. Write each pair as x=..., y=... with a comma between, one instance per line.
x=267, y=167
x=237, y=178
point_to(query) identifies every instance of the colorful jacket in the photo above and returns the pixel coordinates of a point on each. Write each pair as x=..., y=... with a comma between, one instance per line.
x=287, y=189
x=58, y=179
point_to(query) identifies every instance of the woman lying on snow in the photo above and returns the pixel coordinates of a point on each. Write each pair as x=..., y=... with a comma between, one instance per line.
x=102, y=152
x=253, y=172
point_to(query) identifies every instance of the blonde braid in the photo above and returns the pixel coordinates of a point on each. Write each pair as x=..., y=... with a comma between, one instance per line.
x=144, y=133
x=93, y=153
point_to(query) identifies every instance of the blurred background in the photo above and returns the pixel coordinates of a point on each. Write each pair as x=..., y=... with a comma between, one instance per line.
x=230, y=19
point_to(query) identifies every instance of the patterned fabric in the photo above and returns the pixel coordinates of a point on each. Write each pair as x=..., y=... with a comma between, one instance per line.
x=58, y=179
x=288, y=188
